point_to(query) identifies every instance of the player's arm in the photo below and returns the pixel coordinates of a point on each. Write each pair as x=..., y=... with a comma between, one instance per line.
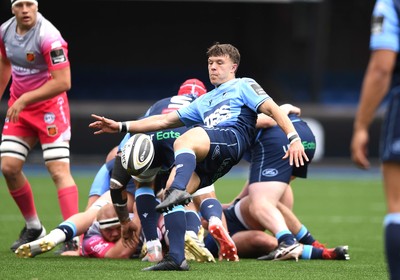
x=152, y=123
x=375, y=86
x=295, y=153
x=119, y=251
x=5, y=70
x=60, y=82
x=264, y=121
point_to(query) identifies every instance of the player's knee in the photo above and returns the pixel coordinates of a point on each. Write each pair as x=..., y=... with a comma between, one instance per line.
x=58, y=170
x=14, y=147
x=10, y=170
x=56, y=152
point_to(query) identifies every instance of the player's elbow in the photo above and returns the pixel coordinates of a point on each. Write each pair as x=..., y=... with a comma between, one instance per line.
x=66, y=85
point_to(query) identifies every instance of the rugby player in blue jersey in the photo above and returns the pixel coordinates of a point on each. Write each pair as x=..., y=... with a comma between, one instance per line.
x=266, y=201
x=382, y=78
x=222, y=126
x=146, y=187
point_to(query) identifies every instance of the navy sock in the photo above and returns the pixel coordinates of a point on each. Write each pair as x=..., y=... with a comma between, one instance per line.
x=175, y=224
x=145, y=205
x=392, y=244
x=211, y=245
x=185, y=162
x=304, y=236
x=311, y=253
x=69, y=230
x=193, y=222
x=210, y=207
x=286, y=236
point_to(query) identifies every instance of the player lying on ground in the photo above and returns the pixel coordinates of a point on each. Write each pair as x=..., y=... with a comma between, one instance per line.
x=102, y=231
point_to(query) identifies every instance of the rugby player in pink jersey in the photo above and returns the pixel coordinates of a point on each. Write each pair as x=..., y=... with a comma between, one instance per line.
x=34, y=56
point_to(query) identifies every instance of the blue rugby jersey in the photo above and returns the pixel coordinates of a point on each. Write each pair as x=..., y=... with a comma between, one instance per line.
x=385, y=31
x=232, y=104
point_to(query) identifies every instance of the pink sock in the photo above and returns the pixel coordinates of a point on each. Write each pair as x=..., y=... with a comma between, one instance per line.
x=68, y=200
x=23, y=197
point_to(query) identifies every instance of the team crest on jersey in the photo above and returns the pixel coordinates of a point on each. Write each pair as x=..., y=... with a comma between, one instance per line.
x=49, y=118
x=57, y=56
x=52, y=130
x=30, y=57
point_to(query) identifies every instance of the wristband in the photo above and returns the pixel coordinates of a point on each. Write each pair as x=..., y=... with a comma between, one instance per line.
x=293, y=137
x=123, y=127
x=294, y=140
x=122, y=212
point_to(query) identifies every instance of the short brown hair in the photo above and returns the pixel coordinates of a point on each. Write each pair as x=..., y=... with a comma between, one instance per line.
x=224, y=50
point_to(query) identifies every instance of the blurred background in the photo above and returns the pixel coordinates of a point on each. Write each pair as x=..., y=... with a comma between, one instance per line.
x=127, y=54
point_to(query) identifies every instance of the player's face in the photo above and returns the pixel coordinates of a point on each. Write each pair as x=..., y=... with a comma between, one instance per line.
x=112, y=234
x=221, y=69
x=25, y=14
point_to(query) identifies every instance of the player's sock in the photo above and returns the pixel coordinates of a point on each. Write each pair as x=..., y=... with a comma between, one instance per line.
x=286, y=236
x=211, y=245
x=392, y=244
x=185, y=163
x=145, y=204
x=304, y=236
x=175, y=224
x=311, y=253
x=23, y=197
x=193, y=222
x=66, y=231
x=68, y=200
x=210, y=207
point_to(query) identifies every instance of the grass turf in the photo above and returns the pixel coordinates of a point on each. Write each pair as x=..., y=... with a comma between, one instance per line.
x=336, y=211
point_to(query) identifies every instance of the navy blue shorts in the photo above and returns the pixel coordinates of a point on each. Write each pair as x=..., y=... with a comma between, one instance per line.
x=269, y=148
x=225, y=152
x=390, y=137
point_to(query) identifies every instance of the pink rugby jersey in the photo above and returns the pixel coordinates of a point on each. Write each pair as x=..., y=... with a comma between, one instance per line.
x=32, y=55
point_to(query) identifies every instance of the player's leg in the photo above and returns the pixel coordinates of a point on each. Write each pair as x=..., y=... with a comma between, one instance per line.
x=254, y=243
x=300, y=231
x=14, y=151
x=175, y=225
x=74, y=226
x=194, y=244
x=189, y=148
x=264, y=197
x=146, y=202
x=391, y=174
x=56, y=156
x=211, y=211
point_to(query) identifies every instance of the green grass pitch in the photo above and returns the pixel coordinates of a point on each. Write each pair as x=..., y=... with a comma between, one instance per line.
x=337, y=211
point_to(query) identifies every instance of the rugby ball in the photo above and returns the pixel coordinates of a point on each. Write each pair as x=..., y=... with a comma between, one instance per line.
x=137, y=154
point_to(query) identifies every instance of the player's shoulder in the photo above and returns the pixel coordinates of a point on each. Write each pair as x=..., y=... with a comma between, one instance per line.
x=47, y=29
x=386, y=7
x=247, y=80
x=6, y=25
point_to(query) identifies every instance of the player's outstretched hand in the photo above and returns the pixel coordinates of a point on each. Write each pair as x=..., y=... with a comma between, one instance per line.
x=104, y=125
x=296, y=154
